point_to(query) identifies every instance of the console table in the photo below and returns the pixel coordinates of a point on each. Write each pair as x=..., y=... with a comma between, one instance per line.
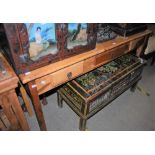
x=46, y=78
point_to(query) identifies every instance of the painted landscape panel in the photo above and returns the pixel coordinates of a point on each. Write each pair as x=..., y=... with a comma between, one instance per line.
x=77, y=35
x=42, y=38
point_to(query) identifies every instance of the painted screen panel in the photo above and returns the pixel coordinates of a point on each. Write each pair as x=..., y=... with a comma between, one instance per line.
x=77, y=35
x=42, y=38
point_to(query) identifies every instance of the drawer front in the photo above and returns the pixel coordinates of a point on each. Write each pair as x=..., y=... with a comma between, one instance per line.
x=59, y=77
x=111, y=54
x=103, y=58
x=119, y=51
x=68, y=73
x=89, y=64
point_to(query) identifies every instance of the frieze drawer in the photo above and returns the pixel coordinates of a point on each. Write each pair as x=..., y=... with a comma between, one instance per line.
x=89, y=64
x=116, y=52
x=59, y=77
x=111, y=54
x=91, y=92
x=103, y=58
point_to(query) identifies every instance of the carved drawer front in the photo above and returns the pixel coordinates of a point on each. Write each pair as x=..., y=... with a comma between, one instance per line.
x=59, y=77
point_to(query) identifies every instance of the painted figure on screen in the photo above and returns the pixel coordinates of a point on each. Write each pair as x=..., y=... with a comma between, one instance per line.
x=42, y=37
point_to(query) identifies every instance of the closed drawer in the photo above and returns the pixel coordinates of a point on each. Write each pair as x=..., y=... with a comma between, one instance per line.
x=120, y=50
x=103, y=58
x=68, y=73
x=111, y=54
x=89, y=64
x=59, y=77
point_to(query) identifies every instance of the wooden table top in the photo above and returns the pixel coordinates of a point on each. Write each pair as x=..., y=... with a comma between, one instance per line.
x=8, y=78
x=100, y=48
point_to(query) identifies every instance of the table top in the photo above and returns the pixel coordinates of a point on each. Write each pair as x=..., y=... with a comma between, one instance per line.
x=8, y=78
x=100, y=48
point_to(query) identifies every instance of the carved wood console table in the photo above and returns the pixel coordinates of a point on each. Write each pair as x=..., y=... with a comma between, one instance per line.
x=46, y=78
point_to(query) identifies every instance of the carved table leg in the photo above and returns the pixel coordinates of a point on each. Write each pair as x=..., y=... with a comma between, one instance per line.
x=60, y=100
x=37, y=105
x=82, y=124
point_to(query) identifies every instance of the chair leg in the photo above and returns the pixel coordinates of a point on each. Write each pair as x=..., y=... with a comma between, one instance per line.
x=60, y=100
x=82, y=124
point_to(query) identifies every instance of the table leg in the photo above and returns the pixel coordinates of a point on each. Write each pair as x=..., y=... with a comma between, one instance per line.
x=37, y=105
x=140, y=50
x=59, y=100
x=19, y=112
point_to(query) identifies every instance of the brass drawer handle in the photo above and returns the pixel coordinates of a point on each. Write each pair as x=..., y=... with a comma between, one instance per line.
x=69, y=75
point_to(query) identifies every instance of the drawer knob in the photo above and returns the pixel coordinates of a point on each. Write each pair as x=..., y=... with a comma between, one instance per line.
x=69, y=75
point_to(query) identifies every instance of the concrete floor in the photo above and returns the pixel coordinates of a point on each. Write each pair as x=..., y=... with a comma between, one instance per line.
x=129, y=112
